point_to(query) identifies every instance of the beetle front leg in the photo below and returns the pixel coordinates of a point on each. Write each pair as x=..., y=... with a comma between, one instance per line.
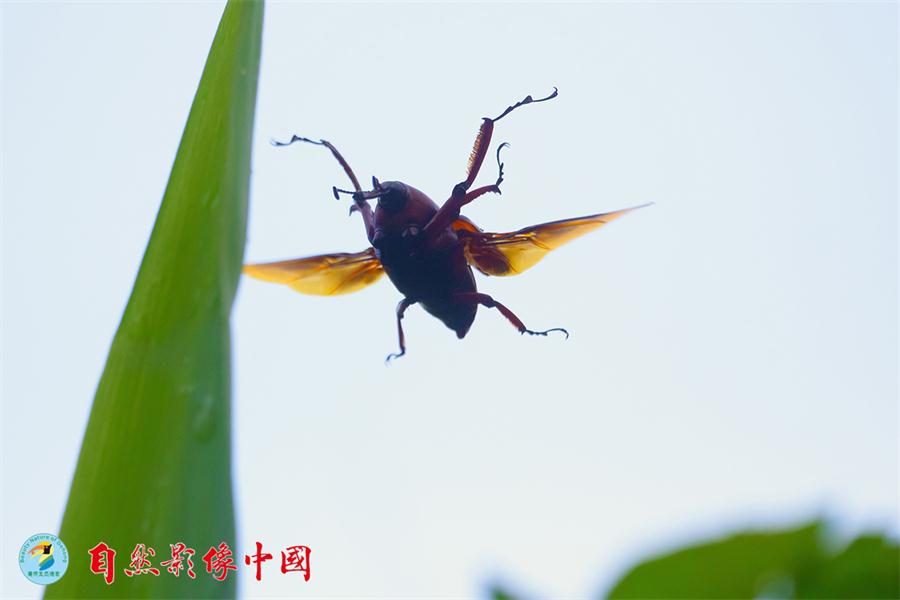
x=489, y=302
x=450, y=210
x=361, y=205
x=401, y=309
x=460, y=195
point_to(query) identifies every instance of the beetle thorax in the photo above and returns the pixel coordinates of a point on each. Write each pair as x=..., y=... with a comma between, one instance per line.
x=402, y=211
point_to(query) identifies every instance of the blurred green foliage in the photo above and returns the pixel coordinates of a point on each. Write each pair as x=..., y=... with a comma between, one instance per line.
x=783, y=564
x=795, y=563
x=155, y=463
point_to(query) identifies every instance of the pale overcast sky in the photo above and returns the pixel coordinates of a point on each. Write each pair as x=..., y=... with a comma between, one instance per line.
x=733, y=358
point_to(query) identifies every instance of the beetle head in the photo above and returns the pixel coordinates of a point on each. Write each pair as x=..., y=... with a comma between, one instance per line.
x=392, y=195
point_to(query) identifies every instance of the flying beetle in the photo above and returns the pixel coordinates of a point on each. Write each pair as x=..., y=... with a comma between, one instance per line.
x=427, y=250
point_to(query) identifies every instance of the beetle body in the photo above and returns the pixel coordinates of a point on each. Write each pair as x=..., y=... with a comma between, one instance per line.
x=427, y=250
x=433, y=276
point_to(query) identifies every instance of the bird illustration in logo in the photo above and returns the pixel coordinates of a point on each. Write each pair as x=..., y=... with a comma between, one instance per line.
x=45, y=550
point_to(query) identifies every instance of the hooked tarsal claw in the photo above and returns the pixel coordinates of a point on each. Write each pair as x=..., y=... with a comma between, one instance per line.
x=544, y=333
x=353, y=208
x=296, y=138
x=390, y=357
x=500, y=166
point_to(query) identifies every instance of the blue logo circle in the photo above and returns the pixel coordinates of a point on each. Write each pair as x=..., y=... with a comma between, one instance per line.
x=43, y=558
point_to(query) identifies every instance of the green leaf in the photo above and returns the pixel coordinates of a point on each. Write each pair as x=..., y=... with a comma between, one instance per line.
x=868, y=568
x=155, y=464
x=499, y=593
x=783, y=564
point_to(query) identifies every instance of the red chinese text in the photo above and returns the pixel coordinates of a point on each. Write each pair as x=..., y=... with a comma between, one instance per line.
x=296, y=559
x=103, y=562
x=140, y=564
x=259, y=558
x=219, y=562
x=181, y=556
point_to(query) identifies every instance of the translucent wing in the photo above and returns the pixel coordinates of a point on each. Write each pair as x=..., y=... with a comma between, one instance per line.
x=323, y=275
x=506, y=254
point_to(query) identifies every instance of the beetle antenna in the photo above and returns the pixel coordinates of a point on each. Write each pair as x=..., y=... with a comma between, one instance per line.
x=527, y=100
x=334, y=152
x=336, y=190
x=361, y=195
x=500, y=164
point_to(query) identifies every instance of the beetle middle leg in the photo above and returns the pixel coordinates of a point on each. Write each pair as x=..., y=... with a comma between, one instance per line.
x=461, y=195
x=401, y=309
x=489, y=302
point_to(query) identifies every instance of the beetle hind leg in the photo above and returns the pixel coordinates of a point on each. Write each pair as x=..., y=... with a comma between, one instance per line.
x=489, y=302
x=401, y=309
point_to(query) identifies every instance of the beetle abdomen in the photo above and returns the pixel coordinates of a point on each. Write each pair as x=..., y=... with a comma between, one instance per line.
x=433, y=279
x=456, y=315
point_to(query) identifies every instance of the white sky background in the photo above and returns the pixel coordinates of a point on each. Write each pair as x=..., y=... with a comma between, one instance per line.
x=733, y=358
